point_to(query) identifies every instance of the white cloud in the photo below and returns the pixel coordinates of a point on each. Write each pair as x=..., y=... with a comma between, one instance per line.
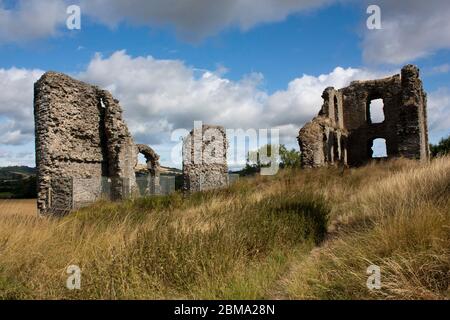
x=443, y=68
x=16, y=105
x=303, y=97
x=191, y=19
x=439, y=113
x=31, y=19
x=17, y=155
x=196, y=19
x=411, y=29
x=161, y=95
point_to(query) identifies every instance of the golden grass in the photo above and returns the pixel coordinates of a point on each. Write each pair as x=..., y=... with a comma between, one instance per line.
x=402, y=225
x=224, y=244
x=250, y=241
x=18, y=207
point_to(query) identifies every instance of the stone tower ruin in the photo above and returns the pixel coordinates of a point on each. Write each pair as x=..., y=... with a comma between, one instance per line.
x=205, y=159
x=343, y=132
x=84, y=150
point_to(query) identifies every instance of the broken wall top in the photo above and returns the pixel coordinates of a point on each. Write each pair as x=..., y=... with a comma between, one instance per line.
x=77, y=122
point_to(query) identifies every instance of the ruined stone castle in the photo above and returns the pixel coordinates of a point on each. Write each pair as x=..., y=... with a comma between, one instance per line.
x=85, y=152
x=343, y=132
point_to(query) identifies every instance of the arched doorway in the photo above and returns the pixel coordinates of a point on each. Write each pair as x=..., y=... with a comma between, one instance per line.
x=148, y=176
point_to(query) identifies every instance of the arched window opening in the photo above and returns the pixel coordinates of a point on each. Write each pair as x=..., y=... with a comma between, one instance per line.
x=142, y=161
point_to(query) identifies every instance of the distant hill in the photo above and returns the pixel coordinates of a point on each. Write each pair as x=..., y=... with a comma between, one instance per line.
x=170, y=171
x=6, y=172
x=17, y=182
x=163, y=170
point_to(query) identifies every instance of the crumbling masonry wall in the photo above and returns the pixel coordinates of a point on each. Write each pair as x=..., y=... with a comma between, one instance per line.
x=152, y=171
x=82, y=145
x=343, y=132
x=205, y=159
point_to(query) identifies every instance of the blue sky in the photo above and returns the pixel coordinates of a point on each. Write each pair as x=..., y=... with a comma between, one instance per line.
x=281, y=51
x=239, y=63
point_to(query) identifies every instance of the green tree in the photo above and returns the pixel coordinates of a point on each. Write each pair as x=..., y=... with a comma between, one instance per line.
x=26, y=188
x=289, y=158
x=264, y=156
x=258, y=159
x=441, y=149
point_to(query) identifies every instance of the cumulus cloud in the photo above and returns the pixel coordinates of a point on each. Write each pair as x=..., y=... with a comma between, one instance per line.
x=16, y=105
x=439, y=112
x=196, y=18
x=192, y=19
x=411, y=29
x=31, y=19
x=302, y=99
x=17, y=155
x=162, y=95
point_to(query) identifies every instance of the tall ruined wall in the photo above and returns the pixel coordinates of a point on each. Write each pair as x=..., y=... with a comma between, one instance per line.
x=344, y=126
x=323, y=140
x=80, y=135
x=357, y=98
x=205, y=159
x=412, y=127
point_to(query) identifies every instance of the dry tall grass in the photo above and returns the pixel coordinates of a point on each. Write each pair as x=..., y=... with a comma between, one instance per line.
x=18, y=206
x=226, y=244
x=401, y=224
x=251, y=241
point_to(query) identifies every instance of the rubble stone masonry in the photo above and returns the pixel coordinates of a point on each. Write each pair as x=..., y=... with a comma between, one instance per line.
x=82, y=145
x=343, y=132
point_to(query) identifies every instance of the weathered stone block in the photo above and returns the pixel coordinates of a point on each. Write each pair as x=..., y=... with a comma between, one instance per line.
x=205, y=159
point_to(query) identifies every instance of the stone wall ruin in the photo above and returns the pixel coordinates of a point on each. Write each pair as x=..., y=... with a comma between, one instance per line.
x=343, y=132
x=205, y=159
x=84, y=150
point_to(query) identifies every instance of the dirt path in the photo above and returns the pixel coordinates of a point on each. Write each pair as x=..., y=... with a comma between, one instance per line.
x=278, y=291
